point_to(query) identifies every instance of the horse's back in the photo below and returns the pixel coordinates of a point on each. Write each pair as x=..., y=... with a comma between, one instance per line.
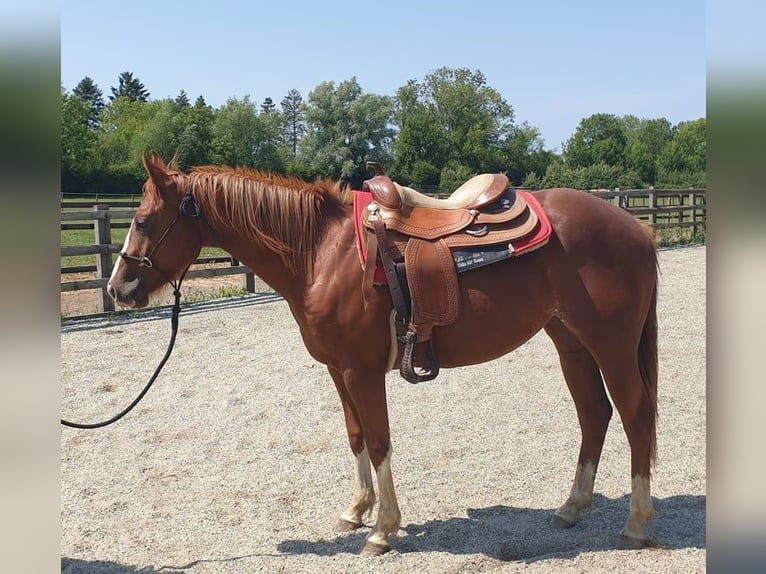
x=582, y=221
x=599, y=263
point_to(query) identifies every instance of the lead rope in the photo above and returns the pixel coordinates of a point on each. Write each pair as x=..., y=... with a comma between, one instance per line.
x=187, y=202
x=174, y=331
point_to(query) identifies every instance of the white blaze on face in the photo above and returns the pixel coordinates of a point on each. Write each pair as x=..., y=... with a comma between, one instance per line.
x=119, y=259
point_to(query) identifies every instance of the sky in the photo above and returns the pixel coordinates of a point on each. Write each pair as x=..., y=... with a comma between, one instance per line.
x=555, y=62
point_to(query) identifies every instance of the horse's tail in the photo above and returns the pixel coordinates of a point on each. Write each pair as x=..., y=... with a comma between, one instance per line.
x=648, y=366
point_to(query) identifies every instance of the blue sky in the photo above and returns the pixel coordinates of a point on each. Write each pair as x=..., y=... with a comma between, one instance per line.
x=555, y=62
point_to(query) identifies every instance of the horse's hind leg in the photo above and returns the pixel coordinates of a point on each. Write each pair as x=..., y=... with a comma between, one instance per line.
x=637, y=410
x=594, y=411
x=363, y=498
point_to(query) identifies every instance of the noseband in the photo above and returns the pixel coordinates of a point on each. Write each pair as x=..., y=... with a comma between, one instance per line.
x=188, y=208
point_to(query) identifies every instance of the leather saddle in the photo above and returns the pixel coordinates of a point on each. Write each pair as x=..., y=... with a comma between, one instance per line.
x=424, y=242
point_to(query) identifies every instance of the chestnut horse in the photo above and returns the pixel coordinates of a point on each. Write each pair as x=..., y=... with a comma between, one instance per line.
x=592, y=287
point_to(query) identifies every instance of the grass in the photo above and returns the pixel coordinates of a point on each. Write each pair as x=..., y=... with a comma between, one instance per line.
x=223, y=292
x=80, y=237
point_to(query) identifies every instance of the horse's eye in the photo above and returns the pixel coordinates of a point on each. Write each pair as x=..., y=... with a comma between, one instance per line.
x=141, y=224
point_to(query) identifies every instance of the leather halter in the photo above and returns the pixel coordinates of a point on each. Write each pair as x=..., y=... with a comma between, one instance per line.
x=188, y=208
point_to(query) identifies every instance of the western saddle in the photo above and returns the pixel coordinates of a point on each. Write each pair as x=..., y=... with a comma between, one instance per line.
x=425, y=242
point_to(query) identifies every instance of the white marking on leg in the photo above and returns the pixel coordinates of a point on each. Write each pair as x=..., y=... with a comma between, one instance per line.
x=389, y=517
x=641, y=508
x=581, y=494
x=363, y=499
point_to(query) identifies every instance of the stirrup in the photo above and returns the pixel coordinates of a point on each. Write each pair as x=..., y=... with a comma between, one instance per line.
x=407, y=370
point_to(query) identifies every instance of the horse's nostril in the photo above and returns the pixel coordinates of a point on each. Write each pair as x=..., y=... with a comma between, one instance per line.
x=110, y=291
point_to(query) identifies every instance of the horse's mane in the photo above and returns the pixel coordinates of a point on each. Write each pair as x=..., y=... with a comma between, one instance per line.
x=284, y=213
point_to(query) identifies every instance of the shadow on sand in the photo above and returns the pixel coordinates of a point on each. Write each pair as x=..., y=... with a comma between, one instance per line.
x=72, y=566
x=523, y=534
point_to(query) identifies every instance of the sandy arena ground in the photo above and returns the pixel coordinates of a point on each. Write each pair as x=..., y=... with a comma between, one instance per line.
x=237, y=460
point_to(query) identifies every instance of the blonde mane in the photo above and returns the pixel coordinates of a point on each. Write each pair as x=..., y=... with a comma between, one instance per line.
x=285, y=214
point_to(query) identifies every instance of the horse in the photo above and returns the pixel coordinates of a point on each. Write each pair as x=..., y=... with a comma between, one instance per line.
x=592, y=287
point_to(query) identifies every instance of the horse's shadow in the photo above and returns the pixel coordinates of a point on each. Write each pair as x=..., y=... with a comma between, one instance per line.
x=511, y=534
x=74, y=566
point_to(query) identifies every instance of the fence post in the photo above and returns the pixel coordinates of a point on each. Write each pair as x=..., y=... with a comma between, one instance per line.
x=693, y=212
x=653, y=207
x=249, y=277
x=102, y=226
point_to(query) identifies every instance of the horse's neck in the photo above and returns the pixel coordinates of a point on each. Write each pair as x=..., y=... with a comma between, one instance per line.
x=264, y=263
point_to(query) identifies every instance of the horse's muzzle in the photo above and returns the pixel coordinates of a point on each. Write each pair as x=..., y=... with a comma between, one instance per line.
x=128, y=294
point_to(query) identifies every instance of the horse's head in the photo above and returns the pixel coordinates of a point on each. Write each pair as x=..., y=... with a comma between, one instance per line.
x=163, y=239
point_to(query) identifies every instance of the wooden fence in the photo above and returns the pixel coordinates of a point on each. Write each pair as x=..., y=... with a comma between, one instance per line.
x=661, y=208
x=102, y=219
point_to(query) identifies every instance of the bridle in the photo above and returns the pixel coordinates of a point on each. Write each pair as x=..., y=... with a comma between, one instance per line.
x=188, y=208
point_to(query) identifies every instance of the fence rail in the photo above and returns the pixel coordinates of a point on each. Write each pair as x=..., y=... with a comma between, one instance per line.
x=661, y=208
x=103, y=219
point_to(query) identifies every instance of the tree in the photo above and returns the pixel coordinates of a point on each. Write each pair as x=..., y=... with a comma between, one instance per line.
x=293, y=126
x=130, y=88
x=268, y=106
x=474, y=117
x=600, y=138
x=524, y=154
x=78, y=141
x=451, y=118
x=645, y=141
x=195, y=140
x=89, y=93
x=240, y=137
x=122, y=122
x=182, y=100
x=345, y=129
x=596, y=176
x=683, y=161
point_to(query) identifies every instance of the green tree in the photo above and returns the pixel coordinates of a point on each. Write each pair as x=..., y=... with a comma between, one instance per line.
x=645, y=141
x=595, y=176
x=293, y=126
x=182, y=100
x=474, y=117
x=78, y=141
x=268, y=106
x=682, y=162
x=89, y=93
x=240, y=137
x=600, y=138
x=524, y=154
x=122, y=122
x=195, y=140
x=345, y=129
x=130, y=88
x=451, y=123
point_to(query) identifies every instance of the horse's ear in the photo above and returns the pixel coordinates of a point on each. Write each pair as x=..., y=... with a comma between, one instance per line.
x=157, y=172
x=157, y=160
x=173, y=163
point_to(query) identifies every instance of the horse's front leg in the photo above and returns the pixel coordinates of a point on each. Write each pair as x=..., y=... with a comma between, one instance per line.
x=367, y=391
x=363, y=498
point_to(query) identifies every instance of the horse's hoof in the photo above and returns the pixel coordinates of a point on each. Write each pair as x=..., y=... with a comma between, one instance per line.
x=344, y=525
x=371, y=549
x=630, y=543
x=560, y=522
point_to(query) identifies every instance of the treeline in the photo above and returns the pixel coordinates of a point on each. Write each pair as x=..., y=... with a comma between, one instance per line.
x=436, y=132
